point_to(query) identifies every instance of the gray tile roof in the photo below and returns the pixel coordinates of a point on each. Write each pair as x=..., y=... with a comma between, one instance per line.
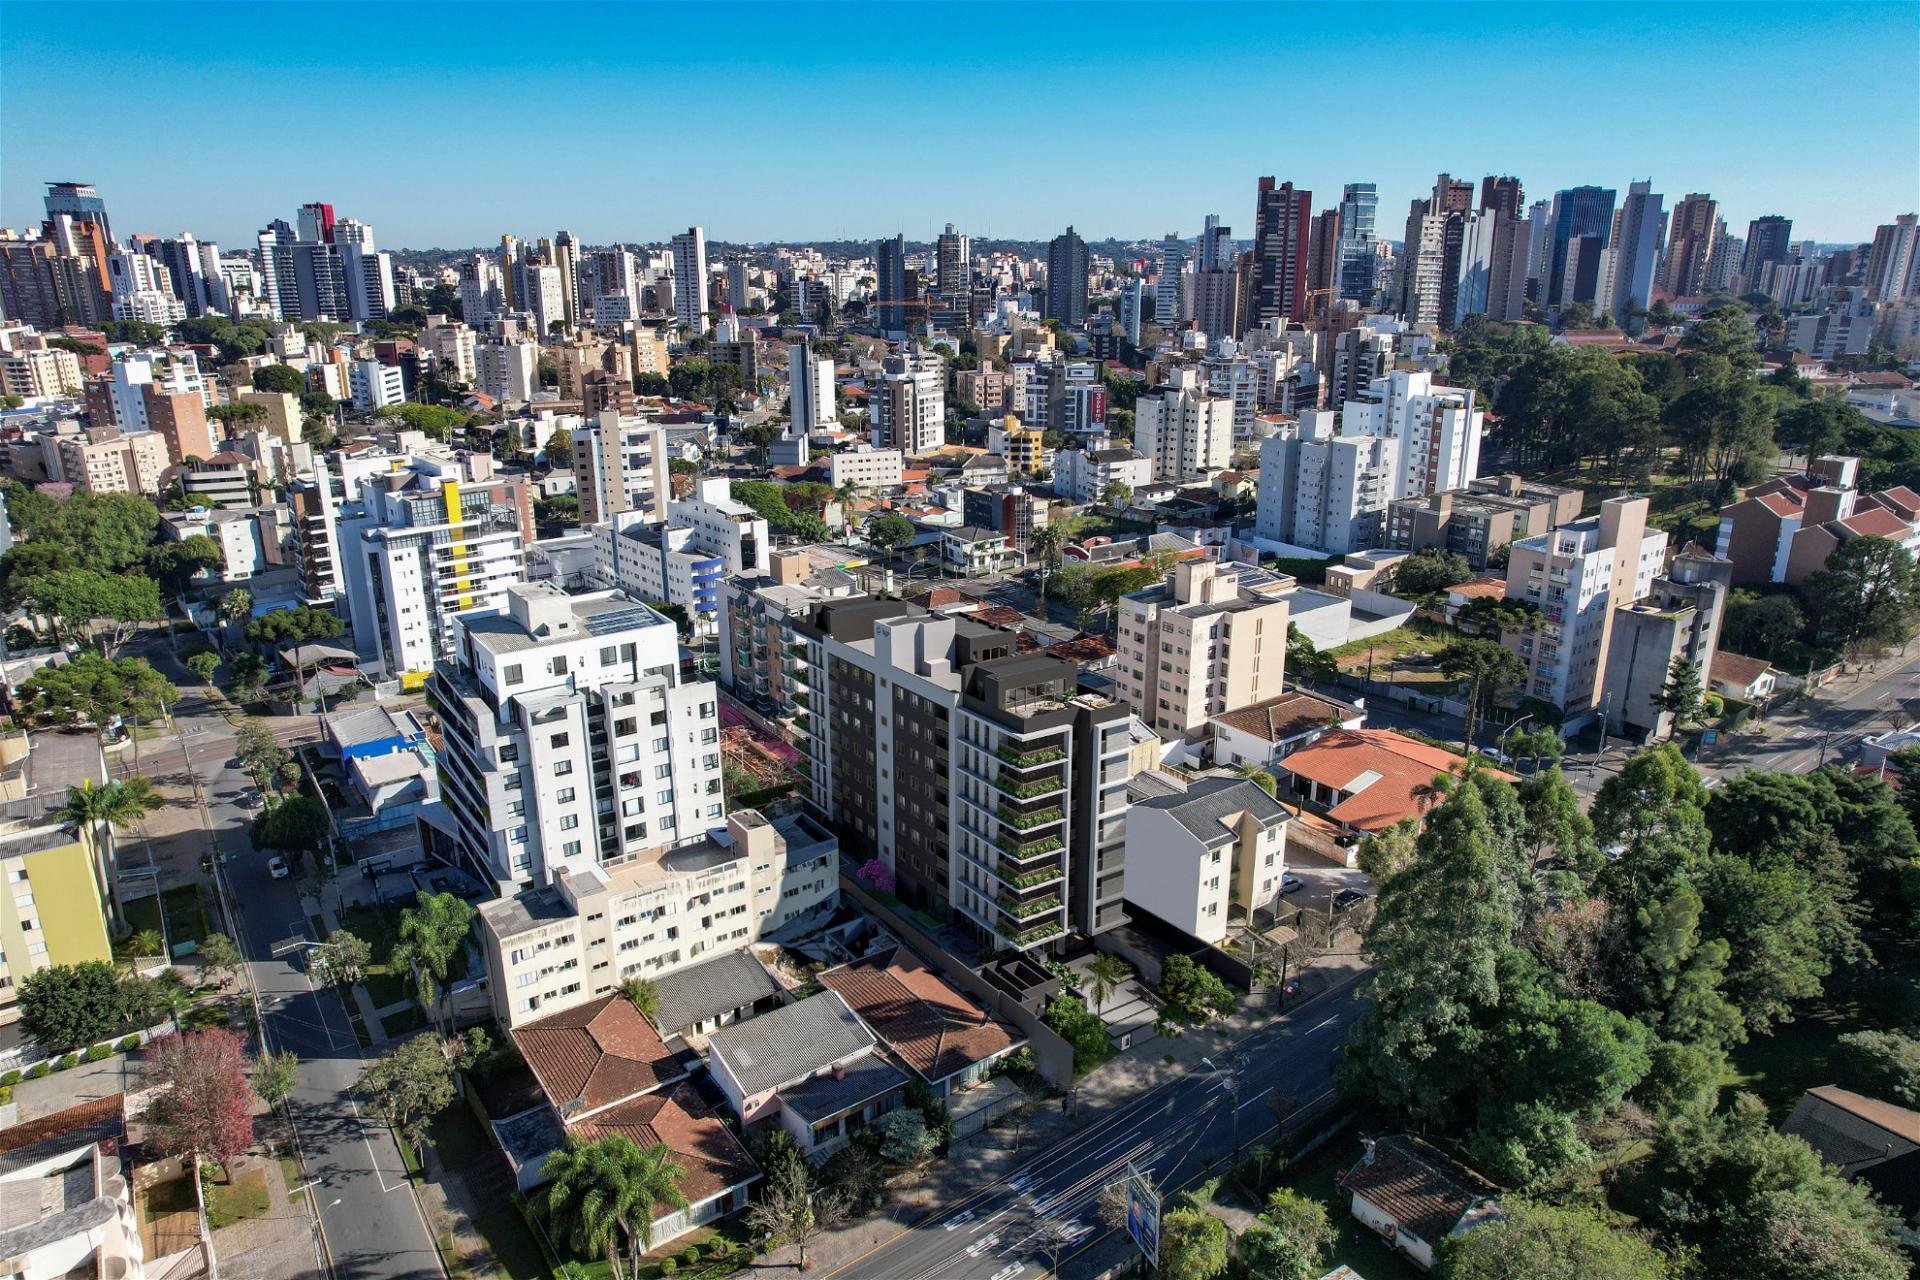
x=790, y=1043
x=709, y=989
x=826, y=1096
x=1207, y=802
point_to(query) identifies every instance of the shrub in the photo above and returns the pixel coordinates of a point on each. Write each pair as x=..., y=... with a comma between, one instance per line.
x=71, y=1060
x=11, y=1077
x=37, y=1070
x=98, y=1052
x=129, y=1044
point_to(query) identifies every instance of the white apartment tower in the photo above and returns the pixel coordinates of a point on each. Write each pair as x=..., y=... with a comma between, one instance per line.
x=690, y=279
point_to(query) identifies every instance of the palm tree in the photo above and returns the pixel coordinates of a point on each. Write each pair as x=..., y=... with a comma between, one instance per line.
x=642, y=995
x=99, y=807
x=1105, y=974
x=613, y=1186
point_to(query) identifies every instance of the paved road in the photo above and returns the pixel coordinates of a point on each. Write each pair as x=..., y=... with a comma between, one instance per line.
x=1174, y=1131
x=372, y=1227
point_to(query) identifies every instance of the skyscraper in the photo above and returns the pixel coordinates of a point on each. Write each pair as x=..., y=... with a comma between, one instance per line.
x=1626, y=273
x=1280, y=234
x=1502, y=195
x=1767, y=239
x=690, y=303
x=1358, y=203
x=1169, y=301
x=1695, y=236
x=1577, y=212
x=890, y=285
x=1067, y=279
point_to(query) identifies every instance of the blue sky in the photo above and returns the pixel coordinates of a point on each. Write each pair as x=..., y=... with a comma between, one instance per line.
x=449, y=124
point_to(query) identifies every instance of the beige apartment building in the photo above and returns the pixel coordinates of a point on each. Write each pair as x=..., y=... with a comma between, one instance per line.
x=1199, y=644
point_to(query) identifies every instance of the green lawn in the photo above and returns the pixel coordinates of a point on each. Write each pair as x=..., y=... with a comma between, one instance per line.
x=1357, y=1247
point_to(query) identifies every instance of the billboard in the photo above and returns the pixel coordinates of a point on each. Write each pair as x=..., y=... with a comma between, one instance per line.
x=1143, y=1213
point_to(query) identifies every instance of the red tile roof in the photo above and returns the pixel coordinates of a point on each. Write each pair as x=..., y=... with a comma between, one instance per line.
x=1344, y=756
x=596, y=1054
x=935, y=1030
x=712, y=1157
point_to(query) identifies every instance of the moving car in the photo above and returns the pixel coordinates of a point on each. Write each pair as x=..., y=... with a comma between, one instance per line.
x=277, y=867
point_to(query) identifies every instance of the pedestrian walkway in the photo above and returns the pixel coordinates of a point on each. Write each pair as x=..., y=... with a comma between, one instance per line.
x=1003, y=1149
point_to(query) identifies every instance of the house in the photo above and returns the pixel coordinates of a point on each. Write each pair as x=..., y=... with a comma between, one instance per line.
x=811, y=1067
x=603, y=1069
x=944, y=1038
x=1195, y=856
x=1366, y=779
x=1734, y=675
x=714, y=993
x=1262, y=733
x=1863, y=1138
x=65, y=1206
x=1415, y=1197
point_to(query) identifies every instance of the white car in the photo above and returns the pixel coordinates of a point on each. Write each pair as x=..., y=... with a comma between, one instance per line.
x=277, y=867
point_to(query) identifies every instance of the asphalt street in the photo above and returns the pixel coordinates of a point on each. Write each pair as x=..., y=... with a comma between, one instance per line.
x=1175, y=1132
x=372, y=1227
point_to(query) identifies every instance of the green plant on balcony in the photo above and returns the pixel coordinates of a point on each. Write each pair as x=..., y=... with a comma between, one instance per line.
x=1031, y=849
x=1028, y=759
x=1023, y=910
x=1028, y=790
x=1027, y=821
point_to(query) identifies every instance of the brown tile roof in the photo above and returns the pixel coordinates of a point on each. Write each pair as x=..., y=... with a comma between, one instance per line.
x=1419, y=1188
x=1286, y=716
x=596, y=1054
x=1343, y=756
x=712, y=1157
x=1737, y=669
x=935, y=1030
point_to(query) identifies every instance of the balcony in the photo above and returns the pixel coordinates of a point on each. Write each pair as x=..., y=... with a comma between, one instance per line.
x=1030, y=759
x=1028, y=821
x=1027, y=910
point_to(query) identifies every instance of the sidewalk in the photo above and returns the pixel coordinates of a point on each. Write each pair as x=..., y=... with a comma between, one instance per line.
x=992, y=1155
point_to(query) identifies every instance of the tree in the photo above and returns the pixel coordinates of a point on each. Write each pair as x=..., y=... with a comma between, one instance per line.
x=1105, y=973
x=1886, y=1064
x=1488, y=667
x=1193, y=1245
x=1682, y=695
x=275, y=1076
x=279, y=377
x=559, y=448
x=1085, y=1031
x=889, y=531
x=431, y=936
x=1193, y=992
x=410, y=1085
x=203, y=1109
x=1548, y=1242
x=77, y=601
x=608, y=1187
x=219, y=957
x=642, y=995
x=1864, y=598
x=204, y=664
x=342, y=959
x=1430, y=571
x=70, y=1006
x=293, y=629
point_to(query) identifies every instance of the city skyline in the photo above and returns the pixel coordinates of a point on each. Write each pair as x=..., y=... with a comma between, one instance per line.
x=819, y=146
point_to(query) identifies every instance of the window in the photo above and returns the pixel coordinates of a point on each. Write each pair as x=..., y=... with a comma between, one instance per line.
x=559, y=741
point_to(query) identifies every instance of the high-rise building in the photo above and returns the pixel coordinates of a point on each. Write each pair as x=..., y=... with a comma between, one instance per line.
x=1198, y=644
x=890, y=299
x=1169, y=296
x=619, y=465
x=1281, y=229
x=1694, y=238
x=908, y=404
x=990, y=783
x=570, y=742
x=1184, y=430
x=1067, y=279
x=1626, y=273
x=1577, y=212
x=1893, y=263
x=1358, y=203
x=690, y=304
x=1768, y=242
x=1502, y=195
x=1438, y=429
x=810, y=404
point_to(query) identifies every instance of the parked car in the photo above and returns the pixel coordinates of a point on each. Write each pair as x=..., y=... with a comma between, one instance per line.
x=277, y=867
x=1347, y=899
x=1291, y=883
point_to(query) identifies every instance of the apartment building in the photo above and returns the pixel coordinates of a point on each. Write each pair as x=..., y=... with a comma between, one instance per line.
x=1185, y=432
x=1199, y=644
x=1579, y=575
x=1323, y=491
x=1480, y=519
x=105, y=460
x=569, y=739
x=620, y=465
x=908, y=404
x=1679, y=619
x=423, y=543
x=1216, y=851
x=1438, y=429
x=577, y=938
x=992, y=785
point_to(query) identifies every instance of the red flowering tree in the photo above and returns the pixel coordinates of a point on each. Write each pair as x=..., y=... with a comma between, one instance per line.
x=204, y=1108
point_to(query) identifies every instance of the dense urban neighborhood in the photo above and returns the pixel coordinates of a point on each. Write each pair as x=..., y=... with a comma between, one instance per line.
x=1328, y=745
